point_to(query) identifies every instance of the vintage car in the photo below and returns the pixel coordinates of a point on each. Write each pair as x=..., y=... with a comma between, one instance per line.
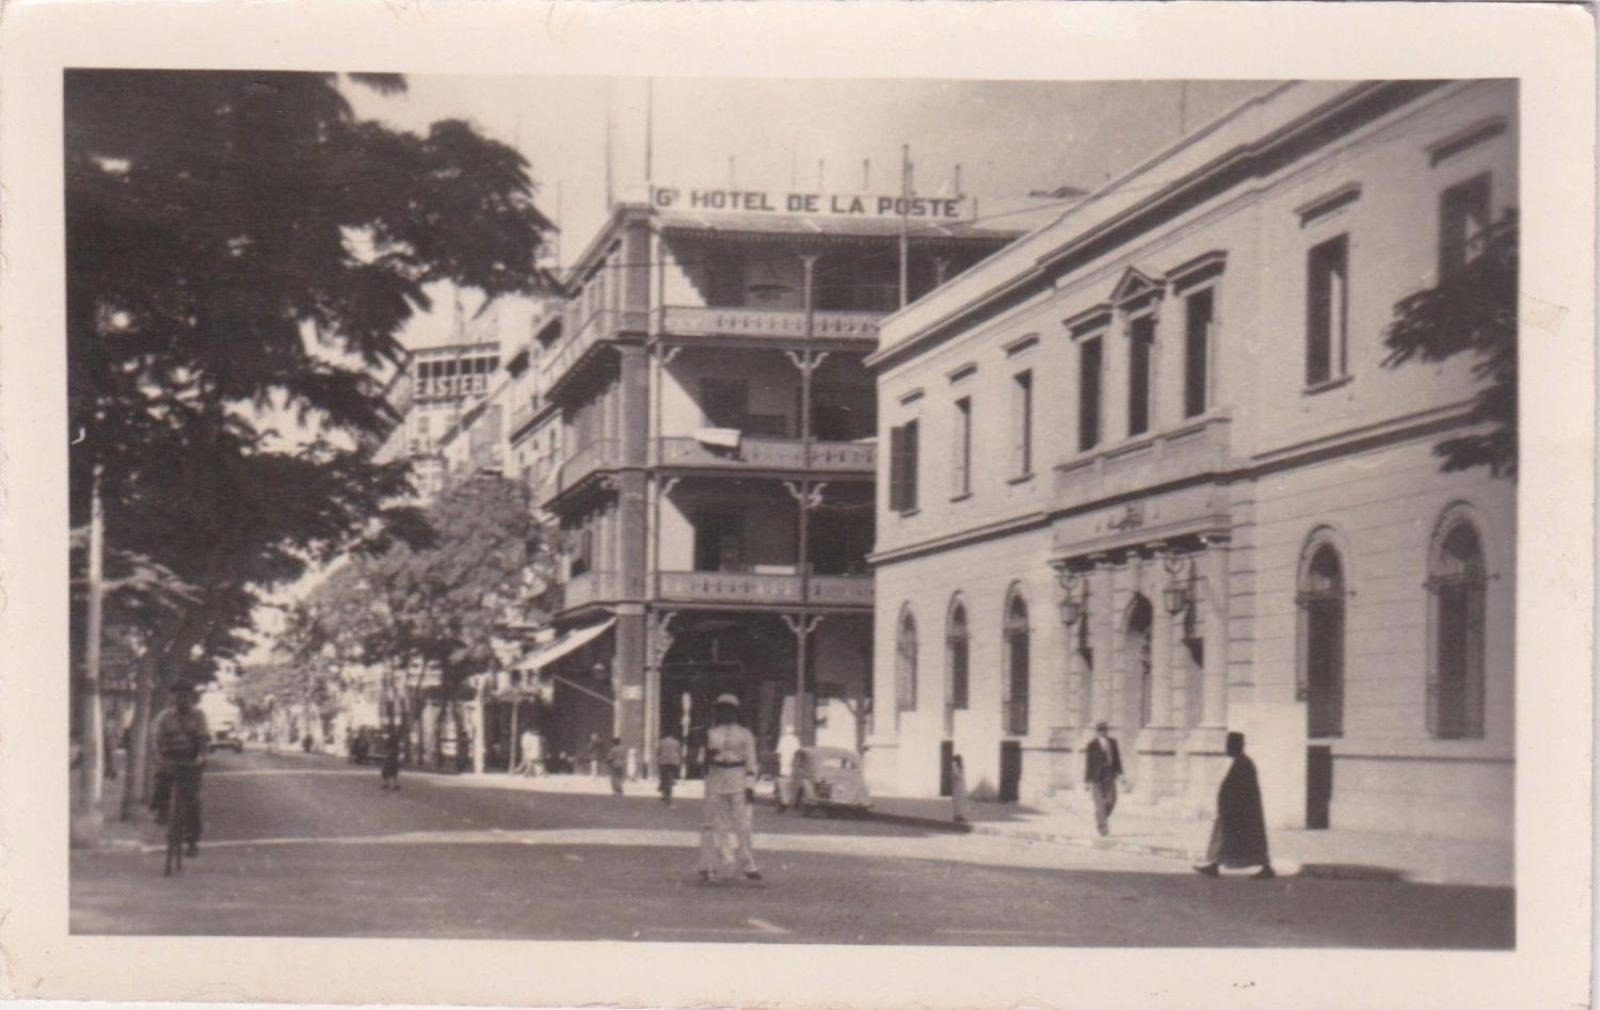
x=226, y=738
x=828, y=779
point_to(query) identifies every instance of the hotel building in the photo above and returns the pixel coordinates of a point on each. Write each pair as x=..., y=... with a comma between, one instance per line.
x=715, y=429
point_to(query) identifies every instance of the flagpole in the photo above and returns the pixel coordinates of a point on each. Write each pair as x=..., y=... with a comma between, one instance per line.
x=905, y=207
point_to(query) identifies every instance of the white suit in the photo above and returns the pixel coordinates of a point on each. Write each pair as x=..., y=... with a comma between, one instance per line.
x=732, y=764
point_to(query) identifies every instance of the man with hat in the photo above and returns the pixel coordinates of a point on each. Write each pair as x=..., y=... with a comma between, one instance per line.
x=732, y=764
x=181, y=738
x=1102, y=771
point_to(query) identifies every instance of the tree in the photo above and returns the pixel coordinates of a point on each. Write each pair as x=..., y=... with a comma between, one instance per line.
x=241, y=250
x=1472, y=309
x=434, y=610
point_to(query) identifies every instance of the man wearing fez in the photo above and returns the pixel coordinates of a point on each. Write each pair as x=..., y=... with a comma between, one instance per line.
x=732, y=764
x=1239, y=834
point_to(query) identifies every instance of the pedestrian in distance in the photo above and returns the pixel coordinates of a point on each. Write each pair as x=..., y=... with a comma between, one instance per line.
x=181, y=737
x=669, y=755
x=617, y=764
x=390, y=776
x=596, y=755
x=732, y=764
x=1239, y=834
x=530, y=754
x=788, y=747
x=958, y=789
x=1102, y=772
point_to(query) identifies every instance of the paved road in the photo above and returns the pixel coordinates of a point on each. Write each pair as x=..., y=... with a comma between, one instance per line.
x=308, y=846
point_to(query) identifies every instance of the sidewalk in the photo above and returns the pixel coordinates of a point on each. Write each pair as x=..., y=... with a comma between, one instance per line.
x=1333, y=853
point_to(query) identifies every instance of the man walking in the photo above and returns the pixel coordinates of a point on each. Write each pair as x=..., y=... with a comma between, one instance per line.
x=731, y=768
x=390, y=776
x=1102, y=772
x=617, y=763
x=669, y=755
x=1239, y=834
x=788, y=747
x=181, y=738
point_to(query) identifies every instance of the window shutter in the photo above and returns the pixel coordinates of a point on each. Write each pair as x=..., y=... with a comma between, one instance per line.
x=910, y=491
x=897, y=467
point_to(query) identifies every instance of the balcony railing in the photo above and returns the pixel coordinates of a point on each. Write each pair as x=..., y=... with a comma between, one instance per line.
x=603, y=454
x=769, y=454
x=786, y=324
x=602, y=325
x=757, y=588
x=1197, y=447
x=598, y=587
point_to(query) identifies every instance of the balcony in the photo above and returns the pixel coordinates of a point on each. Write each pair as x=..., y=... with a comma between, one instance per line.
x=604, y=454
x=785, y=325
x=598, y=587
x=1196, y=449
x=765, y=589
x=762, y=453
x=602, y=325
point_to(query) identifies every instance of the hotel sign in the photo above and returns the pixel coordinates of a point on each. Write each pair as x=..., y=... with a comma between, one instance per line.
x=943, y=209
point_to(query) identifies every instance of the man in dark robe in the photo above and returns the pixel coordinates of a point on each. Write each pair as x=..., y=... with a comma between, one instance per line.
x=1239, y=836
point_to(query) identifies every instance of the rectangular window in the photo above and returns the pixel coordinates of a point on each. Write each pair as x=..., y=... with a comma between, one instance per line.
x=1199, y=313
x=1089, y=366
x=1327, y=308
x=1463, y=218
x=724, y=402
x=1022, y=424
x=1141, y=345
x=903, y=467
x=961, y=447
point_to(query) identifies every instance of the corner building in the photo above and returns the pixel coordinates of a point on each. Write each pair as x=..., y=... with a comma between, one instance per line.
x=1148, y=466
x=714, y=490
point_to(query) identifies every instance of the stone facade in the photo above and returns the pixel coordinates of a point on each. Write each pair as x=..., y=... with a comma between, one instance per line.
x=1162, y=469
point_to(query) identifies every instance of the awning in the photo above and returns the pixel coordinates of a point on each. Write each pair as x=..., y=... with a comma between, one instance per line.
x=540, y=658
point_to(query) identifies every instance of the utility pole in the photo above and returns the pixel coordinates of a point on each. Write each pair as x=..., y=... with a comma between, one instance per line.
x=91, y=727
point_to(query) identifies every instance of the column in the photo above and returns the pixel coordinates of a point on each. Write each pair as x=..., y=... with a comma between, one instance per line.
x=1214, y=612
x=1102, y=601
x=1160, y=645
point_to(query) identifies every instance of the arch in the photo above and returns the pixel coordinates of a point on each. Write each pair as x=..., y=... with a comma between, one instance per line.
x=1457, y=582
x=1138, y=621
x=1016, y=655
x=958, y=654
x=1322, y=589
x=905, y=654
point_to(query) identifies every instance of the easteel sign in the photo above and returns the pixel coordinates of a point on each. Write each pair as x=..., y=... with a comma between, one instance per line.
x=857, y=205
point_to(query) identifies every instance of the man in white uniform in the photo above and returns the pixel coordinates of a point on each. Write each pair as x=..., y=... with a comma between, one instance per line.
x=731, y=768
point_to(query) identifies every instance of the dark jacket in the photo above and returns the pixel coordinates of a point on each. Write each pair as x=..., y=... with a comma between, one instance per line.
x=1099, y=767
x=1241, y=828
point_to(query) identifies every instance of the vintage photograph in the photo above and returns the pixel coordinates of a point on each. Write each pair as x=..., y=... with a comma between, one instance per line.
x=803, y=511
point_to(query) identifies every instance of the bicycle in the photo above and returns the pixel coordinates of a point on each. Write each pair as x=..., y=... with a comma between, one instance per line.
x=180, y=802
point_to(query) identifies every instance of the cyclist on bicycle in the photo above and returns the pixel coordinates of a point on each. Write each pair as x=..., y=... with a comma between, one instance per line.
x=181, y=738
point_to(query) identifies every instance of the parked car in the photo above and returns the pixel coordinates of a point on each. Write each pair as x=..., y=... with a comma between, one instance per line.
x=376, y=746
x=227, y=738
x=829, y=779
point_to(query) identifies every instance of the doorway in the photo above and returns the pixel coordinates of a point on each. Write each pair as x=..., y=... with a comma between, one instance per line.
x=1136, y=652
x=1010, y=770
x=1319, y=786
x=947, y=752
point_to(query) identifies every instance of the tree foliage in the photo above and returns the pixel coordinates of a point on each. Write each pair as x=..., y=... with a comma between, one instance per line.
x=1471, y=310
x=241, y=248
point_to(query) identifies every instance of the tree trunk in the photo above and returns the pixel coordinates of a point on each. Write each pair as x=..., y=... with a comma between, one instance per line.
x=135, y=787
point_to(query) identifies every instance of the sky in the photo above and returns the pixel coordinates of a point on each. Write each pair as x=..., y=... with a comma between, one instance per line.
x=1009, y=137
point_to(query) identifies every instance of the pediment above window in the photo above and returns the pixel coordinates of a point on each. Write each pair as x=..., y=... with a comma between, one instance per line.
x=1135, y=287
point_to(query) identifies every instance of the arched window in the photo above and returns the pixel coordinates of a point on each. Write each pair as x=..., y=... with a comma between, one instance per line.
x=1321, y=600
x=956, y=654
x=1456, y=618
x=905, y=654
x=1085, y=649
x=1137, y=652
x=1016, y=661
